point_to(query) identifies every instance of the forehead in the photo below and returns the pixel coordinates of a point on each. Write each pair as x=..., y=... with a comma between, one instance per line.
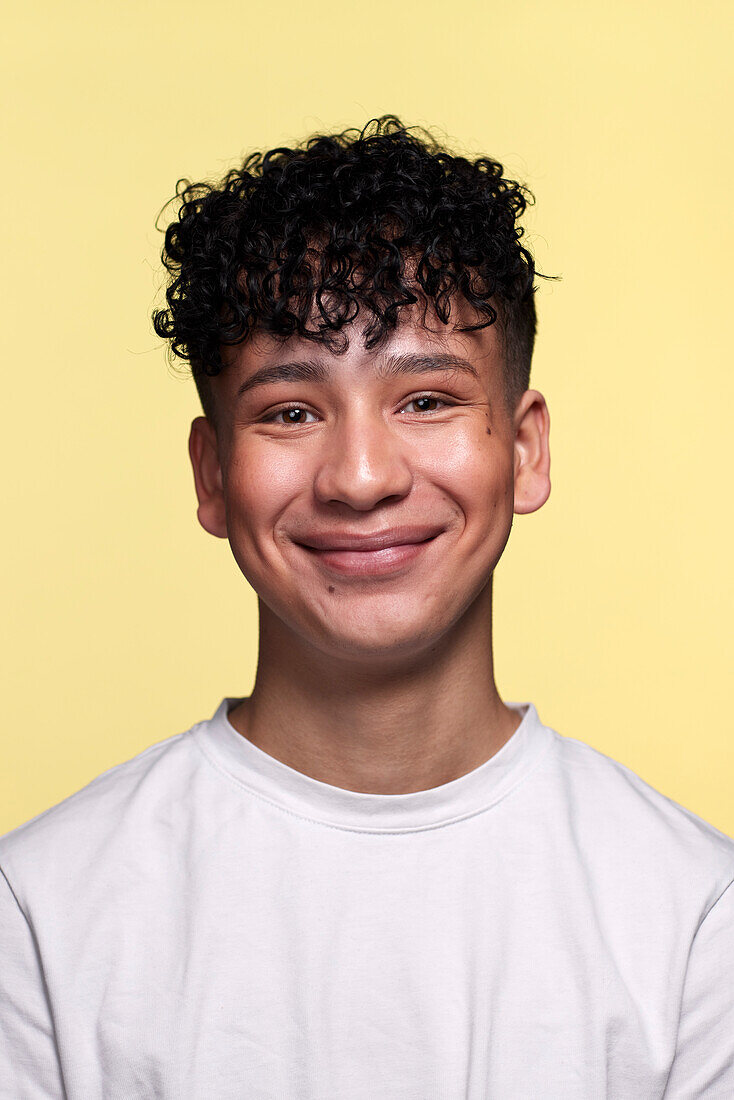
x=419, y=330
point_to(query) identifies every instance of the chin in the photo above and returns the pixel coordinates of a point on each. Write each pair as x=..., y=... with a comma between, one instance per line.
x=379, y=642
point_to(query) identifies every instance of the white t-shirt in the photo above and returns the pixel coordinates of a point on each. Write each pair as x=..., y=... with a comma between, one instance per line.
x=204, y=922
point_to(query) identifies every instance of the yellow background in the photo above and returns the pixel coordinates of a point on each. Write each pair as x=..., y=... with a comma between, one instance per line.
x=125, y=622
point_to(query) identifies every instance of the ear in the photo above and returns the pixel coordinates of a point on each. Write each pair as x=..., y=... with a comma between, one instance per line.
x=532, y=453
x=204, y=454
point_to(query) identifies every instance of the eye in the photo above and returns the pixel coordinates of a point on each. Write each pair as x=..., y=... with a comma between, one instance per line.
x=295, y=414
x=424, y=401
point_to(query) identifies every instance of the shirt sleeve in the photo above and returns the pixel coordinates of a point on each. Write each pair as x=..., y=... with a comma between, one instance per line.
x=29, y=1064
x=703, y=1066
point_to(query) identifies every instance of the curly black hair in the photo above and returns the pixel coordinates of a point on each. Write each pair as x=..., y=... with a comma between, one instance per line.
x=326, y=227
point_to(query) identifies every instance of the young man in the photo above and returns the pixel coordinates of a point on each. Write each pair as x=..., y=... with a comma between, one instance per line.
x=372, y=877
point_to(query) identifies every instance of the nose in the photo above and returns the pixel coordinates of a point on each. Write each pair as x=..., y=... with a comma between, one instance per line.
x=363, y=464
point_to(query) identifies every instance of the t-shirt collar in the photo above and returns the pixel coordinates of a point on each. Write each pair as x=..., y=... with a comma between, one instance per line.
x=272, y=781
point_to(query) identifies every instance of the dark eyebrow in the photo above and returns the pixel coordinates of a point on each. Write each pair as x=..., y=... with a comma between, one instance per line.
x=314, y=370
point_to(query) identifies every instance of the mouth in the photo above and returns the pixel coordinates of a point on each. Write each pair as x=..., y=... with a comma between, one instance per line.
x=381, y=554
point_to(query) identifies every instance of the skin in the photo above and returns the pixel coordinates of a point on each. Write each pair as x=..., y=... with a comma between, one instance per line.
x=381, y=684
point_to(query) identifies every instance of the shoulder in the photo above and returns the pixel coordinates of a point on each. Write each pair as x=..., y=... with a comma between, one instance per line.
x=625, y=821
x=112, y=812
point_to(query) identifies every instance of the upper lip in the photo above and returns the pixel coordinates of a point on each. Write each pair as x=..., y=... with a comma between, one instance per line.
x=395, y=536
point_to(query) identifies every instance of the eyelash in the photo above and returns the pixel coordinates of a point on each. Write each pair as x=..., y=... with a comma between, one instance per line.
x=270, y=418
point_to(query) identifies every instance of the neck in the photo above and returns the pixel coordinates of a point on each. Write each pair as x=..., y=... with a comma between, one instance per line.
x=394, y=727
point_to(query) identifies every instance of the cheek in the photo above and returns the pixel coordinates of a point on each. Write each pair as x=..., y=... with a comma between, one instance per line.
x=476, y=471
x=262, y=483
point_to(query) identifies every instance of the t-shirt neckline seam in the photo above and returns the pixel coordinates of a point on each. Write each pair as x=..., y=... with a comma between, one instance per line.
x=523, y=773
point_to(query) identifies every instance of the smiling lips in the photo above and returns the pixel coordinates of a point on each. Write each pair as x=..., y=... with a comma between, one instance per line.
x=369, y=555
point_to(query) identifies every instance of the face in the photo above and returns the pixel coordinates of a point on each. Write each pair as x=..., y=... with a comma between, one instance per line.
x=367, y=496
